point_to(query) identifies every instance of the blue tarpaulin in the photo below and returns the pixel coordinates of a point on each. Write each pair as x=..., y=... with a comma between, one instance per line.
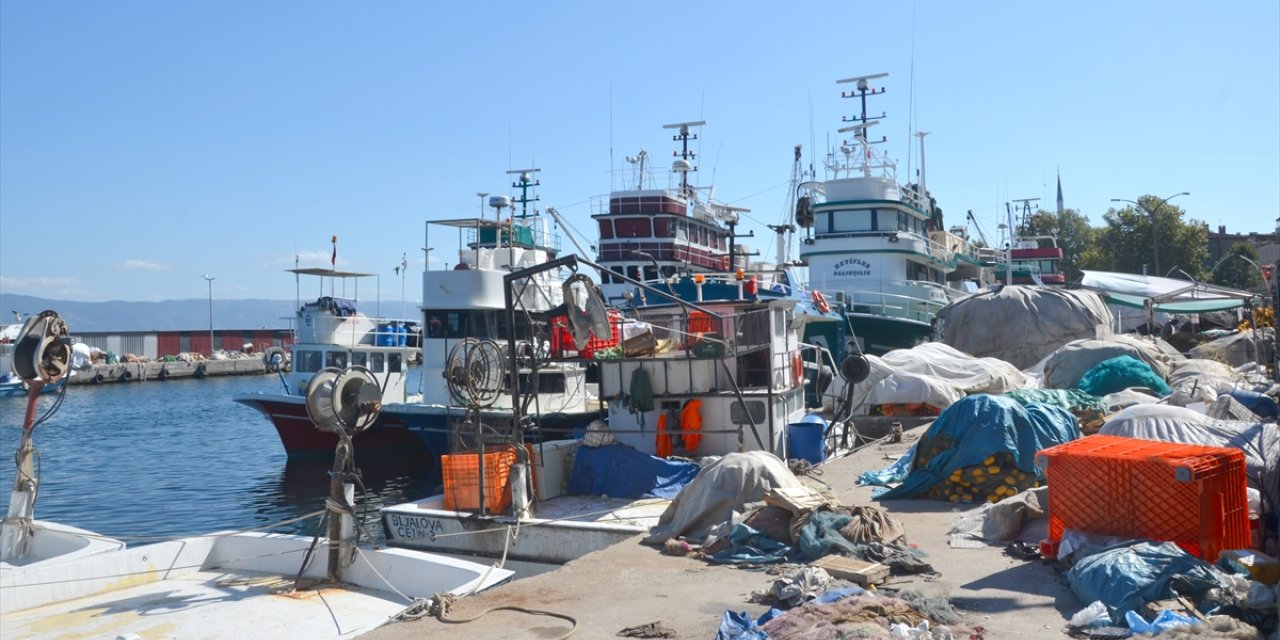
x=622, y=472
x=1126, y=576
x=977, y=426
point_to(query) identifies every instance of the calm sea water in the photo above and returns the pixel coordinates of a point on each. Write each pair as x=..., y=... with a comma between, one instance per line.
x=181, y=458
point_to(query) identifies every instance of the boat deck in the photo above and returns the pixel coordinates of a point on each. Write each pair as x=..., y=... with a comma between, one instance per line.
x=211, y=604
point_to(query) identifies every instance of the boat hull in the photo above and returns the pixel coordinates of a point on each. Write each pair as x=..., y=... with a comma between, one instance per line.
x=565, y=528
x=879, y=335
x=299, y=436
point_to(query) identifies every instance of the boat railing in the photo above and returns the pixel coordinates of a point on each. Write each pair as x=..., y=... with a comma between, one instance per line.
x=352, y=330
x=892, y=305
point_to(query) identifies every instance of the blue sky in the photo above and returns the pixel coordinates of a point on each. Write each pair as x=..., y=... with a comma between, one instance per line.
x=143, y=144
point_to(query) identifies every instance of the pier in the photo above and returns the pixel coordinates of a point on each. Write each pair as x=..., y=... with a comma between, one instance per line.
x=160, y=370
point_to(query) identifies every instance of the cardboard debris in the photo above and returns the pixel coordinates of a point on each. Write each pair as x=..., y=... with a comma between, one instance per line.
x=857, y=571
x=797, y=500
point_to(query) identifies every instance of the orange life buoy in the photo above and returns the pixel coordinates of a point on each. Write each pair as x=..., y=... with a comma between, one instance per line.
x=797, y=369
x=820, y=301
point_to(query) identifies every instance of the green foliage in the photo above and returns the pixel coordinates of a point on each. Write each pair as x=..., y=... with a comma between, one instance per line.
x=1125, y=242
x=1233, y=271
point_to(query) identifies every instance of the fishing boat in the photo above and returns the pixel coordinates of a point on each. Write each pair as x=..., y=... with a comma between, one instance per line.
x=58, y=581
x=465, y=307
x=720, y=372
x=1032, y=259
x=649, y=232
x=878, y=246
x=331, y=331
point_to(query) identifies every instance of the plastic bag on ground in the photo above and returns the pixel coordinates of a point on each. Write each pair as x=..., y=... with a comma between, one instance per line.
x=1163, y=622
x=1094, y=615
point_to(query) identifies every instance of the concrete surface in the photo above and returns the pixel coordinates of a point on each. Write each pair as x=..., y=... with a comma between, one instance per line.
x=630, y=585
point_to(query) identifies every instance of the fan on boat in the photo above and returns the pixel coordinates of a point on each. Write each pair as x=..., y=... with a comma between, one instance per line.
x=586, y=309
x=476, y=371
x=347, y=401
x=43, y=351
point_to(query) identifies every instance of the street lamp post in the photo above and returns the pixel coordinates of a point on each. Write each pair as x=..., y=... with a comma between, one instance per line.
x=209, y=279
x=1155, y=244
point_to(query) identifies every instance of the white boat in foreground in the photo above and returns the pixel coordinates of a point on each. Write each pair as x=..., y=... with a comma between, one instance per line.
x=59, y=582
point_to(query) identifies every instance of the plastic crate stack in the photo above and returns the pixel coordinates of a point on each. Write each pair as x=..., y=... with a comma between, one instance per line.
x=1188, y=494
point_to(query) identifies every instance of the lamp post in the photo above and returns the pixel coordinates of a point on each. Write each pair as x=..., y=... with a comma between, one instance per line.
x=1155, y=244
x=209, y=279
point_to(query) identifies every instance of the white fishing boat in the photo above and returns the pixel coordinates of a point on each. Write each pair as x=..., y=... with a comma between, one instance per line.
x=58, y=582
x=878, y=246
x=332, y=331
x=728, y=366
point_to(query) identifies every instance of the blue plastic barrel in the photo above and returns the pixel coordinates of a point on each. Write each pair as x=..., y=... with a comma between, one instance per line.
x=402, y=334
x=805, y=441
x=386, y=335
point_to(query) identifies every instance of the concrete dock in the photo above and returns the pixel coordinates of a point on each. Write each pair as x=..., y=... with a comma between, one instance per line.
x=629, y=584
x=158, y=370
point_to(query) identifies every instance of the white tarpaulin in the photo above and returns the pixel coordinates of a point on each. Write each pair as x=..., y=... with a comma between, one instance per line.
x=1260, y=441
x=935, y=374
x=1163, y=294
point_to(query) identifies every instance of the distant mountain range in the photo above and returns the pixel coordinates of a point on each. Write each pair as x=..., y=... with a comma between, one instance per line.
x=173, y=315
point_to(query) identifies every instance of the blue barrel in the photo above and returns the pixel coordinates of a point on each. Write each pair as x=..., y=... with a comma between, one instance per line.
x=402, y=334
x=805, y=441
x=386, y=335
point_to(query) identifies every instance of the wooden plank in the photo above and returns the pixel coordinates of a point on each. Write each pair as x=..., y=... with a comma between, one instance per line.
x=858, y=571
x=797, y=500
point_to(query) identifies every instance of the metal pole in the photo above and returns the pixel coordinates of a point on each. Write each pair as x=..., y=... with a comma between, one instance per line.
x=209, y=279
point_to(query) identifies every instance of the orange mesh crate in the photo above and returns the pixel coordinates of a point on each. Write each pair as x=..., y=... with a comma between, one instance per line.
x=1188, y=494
x=461, y=475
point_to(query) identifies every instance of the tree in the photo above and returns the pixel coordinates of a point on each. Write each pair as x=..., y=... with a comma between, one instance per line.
x=1237, y=273
x=1124, y=244
x=1070, y=230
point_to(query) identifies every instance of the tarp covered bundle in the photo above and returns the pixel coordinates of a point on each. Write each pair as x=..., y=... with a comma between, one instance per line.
x=1240, y=347
x=1120, y=373
x=1260, y=441
x=1127, y=576
x=1066, y=365
x=977, y=427
x=934, y=374
x=720, y=489
x=1021, y=325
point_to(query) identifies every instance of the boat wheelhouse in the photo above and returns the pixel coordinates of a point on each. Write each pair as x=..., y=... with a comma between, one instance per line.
x=879, y=246
x=648, y=233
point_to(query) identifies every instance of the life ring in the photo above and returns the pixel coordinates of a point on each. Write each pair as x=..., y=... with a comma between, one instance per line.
x=820, y=301
x=797, y=369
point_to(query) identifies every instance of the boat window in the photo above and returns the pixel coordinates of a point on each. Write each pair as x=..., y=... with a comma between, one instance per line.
x=682, y=230
x=857, y=220
x=619, y=271
x=822, y=222
x=377, y=362
x=435, y=324
x=359, y=359
x=307, y=361
x=633, y=228
x=756, y=414
x=650, y=273
x=886, y=220
x=606, y=229
x=335, y=359
x=394, y=362
x=668, y=272
x=663, y=228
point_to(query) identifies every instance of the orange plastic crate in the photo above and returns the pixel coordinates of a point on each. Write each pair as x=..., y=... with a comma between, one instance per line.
x=461, y=474
x=1188, y=494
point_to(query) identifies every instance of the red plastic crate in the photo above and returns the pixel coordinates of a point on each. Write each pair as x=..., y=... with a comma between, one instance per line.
x=461, y=475
x=596, y=343
x=1188, y=494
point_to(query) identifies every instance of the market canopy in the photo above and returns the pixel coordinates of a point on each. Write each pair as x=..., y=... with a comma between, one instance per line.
x=1163, y=294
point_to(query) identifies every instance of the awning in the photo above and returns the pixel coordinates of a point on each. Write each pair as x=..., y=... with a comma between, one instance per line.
x=1163, y=294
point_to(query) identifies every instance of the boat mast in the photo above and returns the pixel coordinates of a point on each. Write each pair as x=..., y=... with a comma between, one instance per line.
x=861, y=122
x=524, y=183
x=684, y=162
